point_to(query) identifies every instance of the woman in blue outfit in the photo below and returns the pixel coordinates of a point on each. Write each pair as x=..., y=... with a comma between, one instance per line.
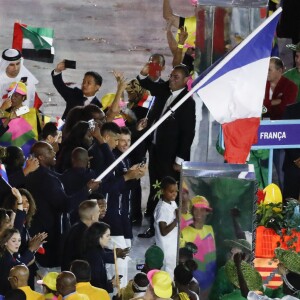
x=23, y=205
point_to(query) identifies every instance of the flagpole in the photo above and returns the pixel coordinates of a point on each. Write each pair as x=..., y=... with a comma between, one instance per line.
x=6, y=182
x=116, y=271
x=191, y=92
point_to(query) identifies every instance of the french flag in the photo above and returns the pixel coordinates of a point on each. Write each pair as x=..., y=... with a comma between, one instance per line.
x=146, y=101
x=59, y=123
x=233, y=89
x=3, y=173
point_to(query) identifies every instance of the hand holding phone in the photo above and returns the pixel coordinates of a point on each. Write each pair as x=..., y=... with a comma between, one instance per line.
x=116, y=282
x=143, y=162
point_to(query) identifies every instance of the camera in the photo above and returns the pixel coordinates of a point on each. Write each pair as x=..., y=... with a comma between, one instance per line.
x=139, y=267
x=154, y=69
x=70, y=64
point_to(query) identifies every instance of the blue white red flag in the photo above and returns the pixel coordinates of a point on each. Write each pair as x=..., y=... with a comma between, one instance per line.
x=233, y=89
x=59, y=123
x=3, y=173
x=146, y=102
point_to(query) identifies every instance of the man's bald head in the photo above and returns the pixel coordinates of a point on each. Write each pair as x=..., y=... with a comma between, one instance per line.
x=66, y=283
x=80, y=157
x=18, y=276
x=39, y=148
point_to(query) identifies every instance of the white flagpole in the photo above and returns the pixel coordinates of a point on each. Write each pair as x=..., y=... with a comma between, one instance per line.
x=151, y=103
x=191, y=92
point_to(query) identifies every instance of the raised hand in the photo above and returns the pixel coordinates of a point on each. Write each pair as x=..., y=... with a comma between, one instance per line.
x=60, y=67
x=141, y=124
x=95, y=132
x=182, y=35
x=145, y=69
x=6, y=104
x=36, y=241
x=121, y=80
x=122, y=253
x=31, y=165
x=93, y=185
x=17, y=194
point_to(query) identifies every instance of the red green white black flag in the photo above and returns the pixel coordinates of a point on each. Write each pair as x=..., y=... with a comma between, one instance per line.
x=35, y=43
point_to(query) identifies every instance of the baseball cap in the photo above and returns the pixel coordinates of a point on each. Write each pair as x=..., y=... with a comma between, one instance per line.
x=49, y=280
x=18, y=87
x=185, y=187
x=140, y=282
x=154, y=257
x=200, y=201
x=161, y=283
x=294, y=47
x=107, y=100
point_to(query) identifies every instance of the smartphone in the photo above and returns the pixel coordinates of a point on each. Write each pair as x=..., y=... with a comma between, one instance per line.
x=143, y=162
x=154, y=69
x=22, y=110
x=92, y=124
x=24, y=79
x=70, y=64
x=139, y=267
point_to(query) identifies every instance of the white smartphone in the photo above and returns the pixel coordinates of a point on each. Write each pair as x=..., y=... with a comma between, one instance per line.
x=22, y=110
x=92, y=124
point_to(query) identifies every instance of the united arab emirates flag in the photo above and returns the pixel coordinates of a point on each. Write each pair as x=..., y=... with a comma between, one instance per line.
x=35, y=43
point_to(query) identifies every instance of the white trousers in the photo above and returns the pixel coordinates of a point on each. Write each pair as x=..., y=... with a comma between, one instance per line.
x=122, y=264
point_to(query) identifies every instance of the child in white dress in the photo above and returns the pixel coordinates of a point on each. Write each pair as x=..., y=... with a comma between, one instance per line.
x=166, y=223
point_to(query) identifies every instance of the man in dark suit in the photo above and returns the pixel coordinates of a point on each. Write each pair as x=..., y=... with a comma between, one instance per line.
x=91, y=84
x=150, y=79
x=291, y=164
x=51, y=202
x=172, y=140
x=76, y=177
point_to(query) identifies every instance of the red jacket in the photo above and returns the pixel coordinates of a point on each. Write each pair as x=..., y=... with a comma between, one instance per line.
x=287, y=91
